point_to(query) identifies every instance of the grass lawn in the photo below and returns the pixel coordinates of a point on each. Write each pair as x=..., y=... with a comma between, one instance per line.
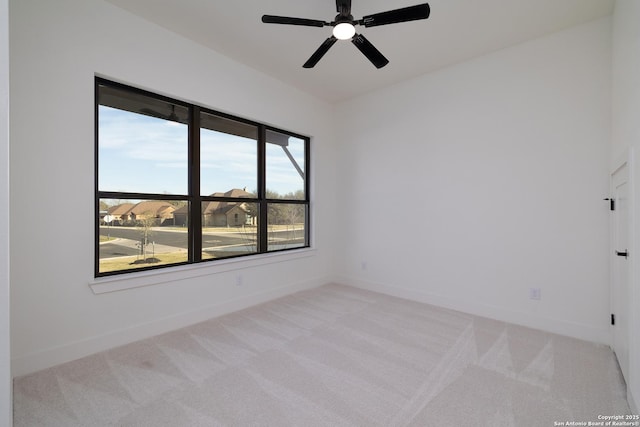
x=136, y=262
x=249, y=228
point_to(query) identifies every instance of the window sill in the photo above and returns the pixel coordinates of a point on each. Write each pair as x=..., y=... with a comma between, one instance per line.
x=103, y=285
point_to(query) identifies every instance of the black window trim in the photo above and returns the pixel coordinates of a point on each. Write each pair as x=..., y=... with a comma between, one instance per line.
x=195, y=198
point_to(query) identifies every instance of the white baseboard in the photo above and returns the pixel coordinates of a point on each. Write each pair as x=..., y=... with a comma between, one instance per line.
x=561, y=327
x=75, y=350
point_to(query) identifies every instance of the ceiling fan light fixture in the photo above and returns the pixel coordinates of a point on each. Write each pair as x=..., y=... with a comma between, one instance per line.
x=344, y=31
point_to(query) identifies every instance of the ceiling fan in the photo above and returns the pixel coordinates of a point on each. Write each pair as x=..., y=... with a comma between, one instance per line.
x=344, y=28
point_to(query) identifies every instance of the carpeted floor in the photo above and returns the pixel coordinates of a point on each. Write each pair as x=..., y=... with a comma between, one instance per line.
x=332, y=356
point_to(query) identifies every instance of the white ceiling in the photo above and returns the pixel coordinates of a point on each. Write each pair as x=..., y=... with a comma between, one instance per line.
x=457, y=30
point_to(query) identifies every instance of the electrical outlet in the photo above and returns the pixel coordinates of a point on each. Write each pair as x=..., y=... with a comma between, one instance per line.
x=238, y=279
x=535, y=294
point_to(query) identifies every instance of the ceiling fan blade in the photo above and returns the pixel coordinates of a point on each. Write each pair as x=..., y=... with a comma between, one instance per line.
x=343, y=7
x=411, y=13
x=271, y=19
x=369, y=51
x=318, y=54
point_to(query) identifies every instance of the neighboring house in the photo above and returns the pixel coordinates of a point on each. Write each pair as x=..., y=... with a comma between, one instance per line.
x=235, y=193
x=129, y=214
x=119, y=213
x=180, y=216
x=219, y=213
x=151, y=209
x=225, y=214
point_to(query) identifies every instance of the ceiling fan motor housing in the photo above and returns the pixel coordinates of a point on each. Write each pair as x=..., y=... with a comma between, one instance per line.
x=341, y=19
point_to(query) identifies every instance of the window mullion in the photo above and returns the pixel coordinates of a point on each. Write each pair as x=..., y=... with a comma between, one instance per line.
x=262, y=190
x=195, y=199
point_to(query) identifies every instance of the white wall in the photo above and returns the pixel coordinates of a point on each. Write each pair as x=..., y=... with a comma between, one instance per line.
x=56, y=48
x=626, y=136
x=470, y=185
x=5, y=364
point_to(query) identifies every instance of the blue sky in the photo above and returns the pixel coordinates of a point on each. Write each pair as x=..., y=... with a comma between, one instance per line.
x=138, y=153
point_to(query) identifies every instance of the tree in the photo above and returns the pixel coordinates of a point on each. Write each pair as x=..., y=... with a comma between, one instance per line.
x=145, y=223
x=285, y=213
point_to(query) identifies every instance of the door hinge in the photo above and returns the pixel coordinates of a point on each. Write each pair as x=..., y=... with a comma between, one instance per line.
x=613, y=319
x=612, y=204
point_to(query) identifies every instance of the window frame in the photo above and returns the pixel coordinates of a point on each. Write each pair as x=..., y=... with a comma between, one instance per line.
x=194, y=198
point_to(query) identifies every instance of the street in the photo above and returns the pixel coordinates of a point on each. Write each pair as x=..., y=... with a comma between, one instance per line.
x=128, y=238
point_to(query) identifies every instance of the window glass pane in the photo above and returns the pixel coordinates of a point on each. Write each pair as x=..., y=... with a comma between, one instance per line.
x=286, y=169
x=286, y=226
x=140, y=233
x=228, y=156
x=229, y=229
x=142, y=144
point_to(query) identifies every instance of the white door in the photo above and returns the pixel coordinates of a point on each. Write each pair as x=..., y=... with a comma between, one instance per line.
x=620, y=266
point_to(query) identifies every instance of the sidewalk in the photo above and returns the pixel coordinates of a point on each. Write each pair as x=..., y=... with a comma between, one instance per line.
x=151, y=247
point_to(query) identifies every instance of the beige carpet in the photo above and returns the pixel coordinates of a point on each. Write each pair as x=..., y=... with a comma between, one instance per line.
x=332, y=356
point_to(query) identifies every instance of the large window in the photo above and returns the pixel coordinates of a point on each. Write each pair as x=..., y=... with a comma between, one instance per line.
x=177, y=183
